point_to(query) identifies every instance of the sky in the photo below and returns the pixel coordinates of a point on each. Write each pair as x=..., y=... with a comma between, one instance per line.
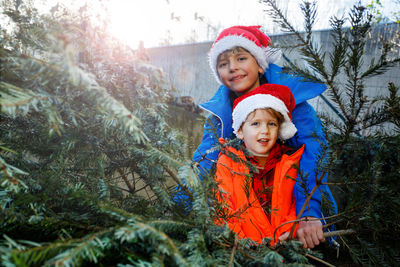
x=161, y=22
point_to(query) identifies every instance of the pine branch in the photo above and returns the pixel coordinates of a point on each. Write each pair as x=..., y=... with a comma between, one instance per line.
x=311, y=55
x=319, y=260
x=383, y=63
x=317, y=185
x=177, y=180
x=339, y=233
x=235, y=245
x=338, y=55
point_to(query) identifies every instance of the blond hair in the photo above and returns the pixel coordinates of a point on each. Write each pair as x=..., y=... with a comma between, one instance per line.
x=278, y=116
x=232, y=51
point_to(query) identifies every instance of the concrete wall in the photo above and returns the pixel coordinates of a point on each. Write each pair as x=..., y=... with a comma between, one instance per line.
x=187, y=69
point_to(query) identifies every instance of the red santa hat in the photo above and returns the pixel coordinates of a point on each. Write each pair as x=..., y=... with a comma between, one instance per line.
x=275, y=96
x=248, y=37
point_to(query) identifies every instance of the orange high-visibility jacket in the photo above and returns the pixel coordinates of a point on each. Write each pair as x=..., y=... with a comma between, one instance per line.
x=253, y=223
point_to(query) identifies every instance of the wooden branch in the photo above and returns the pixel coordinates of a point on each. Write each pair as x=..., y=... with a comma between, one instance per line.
x=345, y=183
x=233, y=251
x=317, y=184
x=340, y=233
x=319, y=260
x=326, y=234
x=128, y=184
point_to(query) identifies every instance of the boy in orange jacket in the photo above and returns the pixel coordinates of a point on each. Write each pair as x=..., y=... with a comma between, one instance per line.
x=263, y=204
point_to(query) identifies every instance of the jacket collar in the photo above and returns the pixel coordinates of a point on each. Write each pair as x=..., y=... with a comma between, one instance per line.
x=220, y=106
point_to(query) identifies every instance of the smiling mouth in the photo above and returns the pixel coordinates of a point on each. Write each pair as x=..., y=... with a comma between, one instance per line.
x=238, y=77
x=263, y=141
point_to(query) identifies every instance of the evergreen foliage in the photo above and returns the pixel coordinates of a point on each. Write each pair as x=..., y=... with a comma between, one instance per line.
x=363, y=136
x=89, y=164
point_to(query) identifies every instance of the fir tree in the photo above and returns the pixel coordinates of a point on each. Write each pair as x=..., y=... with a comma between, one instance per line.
x=363, y=134
x=89, y=163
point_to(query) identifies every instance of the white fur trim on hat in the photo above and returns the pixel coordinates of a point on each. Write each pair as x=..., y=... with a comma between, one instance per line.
x=259, y=101
x=263, y=55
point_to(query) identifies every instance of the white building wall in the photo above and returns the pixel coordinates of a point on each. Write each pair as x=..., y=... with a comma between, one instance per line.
x=187, y=69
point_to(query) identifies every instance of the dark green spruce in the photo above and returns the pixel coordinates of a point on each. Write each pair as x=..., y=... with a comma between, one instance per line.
x=89, y=162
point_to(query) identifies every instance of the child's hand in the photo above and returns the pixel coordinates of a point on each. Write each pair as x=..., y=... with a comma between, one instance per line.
x=283, y=236
x=310, y=232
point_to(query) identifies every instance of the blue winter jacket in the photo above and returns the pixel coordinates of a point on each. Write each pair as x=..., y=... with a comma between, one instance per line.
x=310, y=132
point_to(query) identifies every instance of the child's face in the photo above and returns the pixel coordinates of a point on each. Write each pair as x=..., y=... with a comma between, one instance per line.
x=239, y=71
x=259, y=132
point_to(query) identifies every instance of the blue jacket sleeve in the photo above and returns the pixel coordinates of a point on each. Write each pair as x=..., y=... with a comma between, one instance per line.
x=310, y=133
x=202, y=155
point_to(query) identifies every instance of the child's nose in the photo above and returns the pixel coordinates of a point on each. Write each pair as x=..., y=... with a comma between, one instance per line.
x=232, y=65
x=265, y=129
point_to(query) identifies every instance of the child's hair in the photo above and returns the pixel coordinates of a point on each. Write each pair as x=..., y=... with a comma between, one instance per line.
x=279, y=117
x=231, y=51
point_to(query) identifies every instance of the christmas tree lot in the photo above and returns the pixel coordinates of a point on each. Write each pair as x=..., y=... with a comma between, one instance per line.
x=89, y=164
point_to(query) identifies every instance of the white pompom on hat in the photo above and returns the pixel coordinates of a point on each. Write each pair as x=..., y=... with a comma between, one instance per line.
x=248, y=37
x=275, y=96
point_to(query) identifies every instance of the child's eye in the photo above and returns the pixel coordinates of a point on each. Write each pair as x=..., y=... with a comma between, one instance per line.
x=254, y=123
x=272, y=123
x=222, y=64
x=242, y=58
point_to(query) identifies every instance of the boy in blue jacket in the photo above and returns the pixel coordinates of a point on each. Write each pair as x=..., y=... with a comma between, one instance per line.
x=242, y=59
